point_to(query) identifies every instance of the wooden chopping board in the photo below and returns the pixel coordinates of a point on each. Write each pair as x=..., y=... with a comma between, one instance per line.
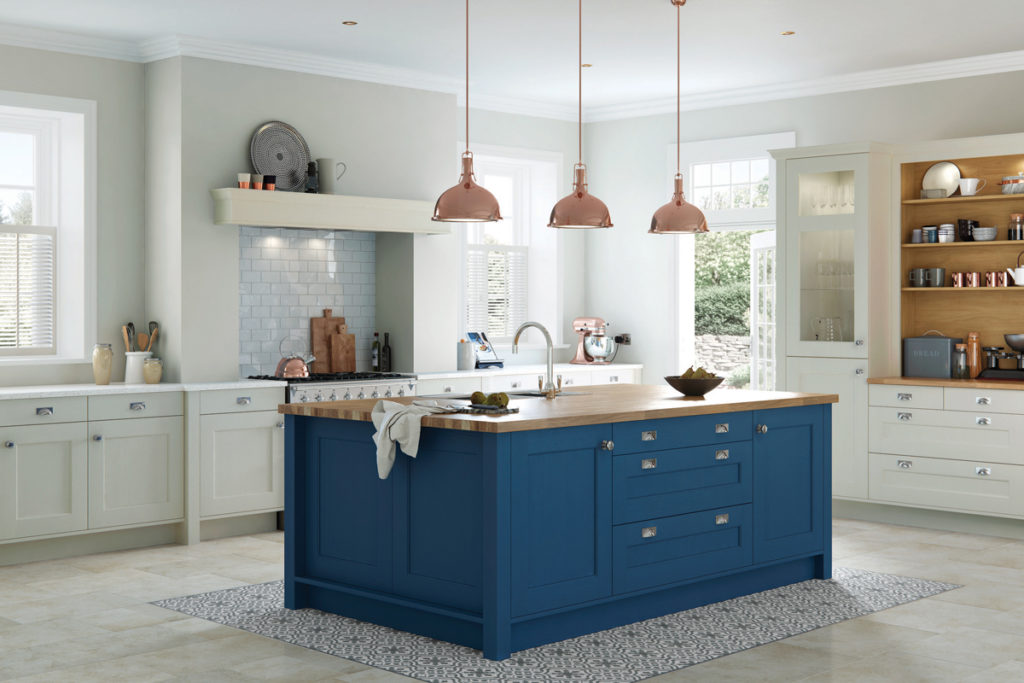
x=320, y=330
x=343, y=352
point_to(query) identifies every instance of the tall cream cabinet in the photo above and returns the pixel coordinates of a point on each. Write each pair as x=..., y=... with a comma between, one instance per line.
x=835, y=319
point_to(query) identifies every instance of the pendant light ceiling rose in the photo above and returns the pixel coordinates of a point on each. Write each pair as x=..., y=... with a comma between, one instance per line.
x=678, y=216
x=580, y=209
x=467, y=202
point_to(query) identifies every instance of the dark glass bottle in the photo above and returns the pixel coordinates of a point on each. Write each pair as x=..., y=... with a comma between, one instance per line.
x=312, y=181
x=385, y=354
x=375, y=353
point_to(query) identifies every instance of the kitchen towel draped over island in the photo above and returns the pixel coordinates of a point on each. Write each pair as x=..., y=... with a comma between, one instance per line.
x=397, y=422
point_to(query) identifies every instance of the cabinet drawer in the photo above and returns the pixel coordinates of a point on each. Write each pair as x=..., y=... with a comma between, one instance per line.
x=613, y=376
x=897, y=396
x=951, y=434
x=575, y=378
x=33, y=411
x=949, y=484
x=673, y=549
x=121, y=406
x=240, y=400
x=658, y=435
x=674, y=482
x=988, y=400
x=455, y=385
x=522, y=382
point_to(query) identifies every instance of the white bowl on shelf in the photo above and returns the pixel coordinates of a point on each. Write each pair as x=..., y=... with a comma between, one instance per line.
x=985, y=234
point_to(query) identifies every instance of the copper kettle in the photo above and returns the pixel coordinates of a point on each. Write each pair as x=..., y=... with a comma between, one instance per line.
x=292, y=364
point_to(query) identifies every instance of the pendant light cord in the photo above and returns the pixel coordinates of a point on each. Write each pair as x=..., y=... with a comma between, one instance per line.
x=579, y=98
x=678, y=87
x=467, y=76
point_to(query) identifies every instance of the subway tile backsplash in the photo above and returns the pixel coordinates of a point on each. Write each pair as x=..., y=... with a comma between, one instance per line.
x=289, y=276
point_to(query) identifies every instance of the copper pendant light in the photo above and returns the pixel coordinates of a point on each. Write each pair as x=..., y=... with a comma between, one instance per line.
x=580, y=209
x=678, y=216
x=467, y=202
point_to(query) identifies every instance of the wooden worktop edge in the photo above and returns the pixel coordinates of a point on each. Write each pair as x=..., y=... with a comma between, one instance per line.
x=1010, y=385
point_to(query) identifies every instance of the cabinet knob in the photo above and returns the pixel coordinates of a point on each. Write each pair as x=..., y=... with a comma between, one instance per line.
x=859, y=342
x=904, y=396
x=904, y=417
x=44, y=412
x=243, y=400
x=983, y=471
x=280, y=425
x=608, y=445
x=859, y=371
x=97, y=437
x=8, y=444
x=983, y=420
x=761, y=429
x=649, y=463
x=649, y=532
x=904, y=464
x=983, y=400
x=137, y=406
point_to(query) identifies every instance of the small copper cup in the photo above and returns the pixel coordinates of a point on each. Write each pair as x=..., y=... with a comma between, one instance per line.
x=972, y=279
x=956, y=279
x=1002, y=279
x=990, y=278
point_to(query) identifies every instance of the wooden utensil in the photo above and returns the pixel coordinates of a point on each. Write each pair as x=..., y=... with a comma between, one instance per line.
x=127, y=341
x=319, y=331
x=343, y=353
x=143, y=340
x=152, y=336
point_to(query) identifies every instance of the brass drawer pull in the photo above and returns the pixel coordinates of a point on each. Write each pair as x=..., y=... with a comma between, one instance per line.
x=44, y=412
x=722, y=519
x=649, y=463
x=243, y=400
x=983, y=471
x=983, y=421
x=722, y=428
x=903, y=396
x=137, y=406
x=722, y=454
x=649, y=532
x=651, y=435
x=904, y=464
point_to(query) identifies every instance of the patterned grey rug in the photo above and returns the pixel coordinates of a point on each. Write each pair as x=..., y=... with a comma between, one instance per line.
x=620, y=655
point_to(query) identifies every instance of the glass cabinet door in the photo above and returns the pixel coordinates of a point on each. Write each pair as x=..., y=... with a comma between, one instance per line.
x=826, y=249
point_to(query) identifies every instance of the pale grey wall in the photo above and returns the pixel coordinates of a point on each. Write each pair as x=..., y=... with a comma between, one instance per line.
x=117, y=87
x=628, y=272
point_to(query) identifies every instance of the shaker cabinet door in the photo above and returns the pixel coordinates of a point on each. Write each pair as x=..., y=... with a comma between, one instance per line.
x=241, y=463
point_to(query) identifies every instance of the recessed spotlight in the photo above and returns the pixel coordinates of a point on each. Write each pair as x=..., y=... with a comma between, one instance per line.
x=586, y=66
x=788, y=33
x=349, y=23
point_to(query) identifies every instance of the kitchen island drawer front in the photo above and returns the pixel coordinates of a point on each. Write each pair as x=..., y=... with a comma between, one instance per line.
x=967, y=486
x=673, y=549
x=458, y=385
x=899, y=396
x=124, y=406
x=241, y=400
x=677, y=481
x=947, y=434
x=41, y=411
x=658, y=435
x=987, y=400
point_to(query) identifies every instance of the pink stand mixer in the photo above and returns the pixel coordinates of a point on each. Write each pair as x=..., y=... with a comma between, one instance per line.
x=596, y=347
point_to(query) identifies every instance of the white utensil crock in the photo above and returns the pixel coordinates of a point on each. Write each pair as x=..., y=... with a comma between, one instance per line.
x=133, y=366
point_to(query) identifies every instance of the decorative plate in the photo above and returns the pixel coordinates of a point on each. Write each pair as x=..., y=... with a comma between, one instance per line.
x=942, y=176
x=278, y=149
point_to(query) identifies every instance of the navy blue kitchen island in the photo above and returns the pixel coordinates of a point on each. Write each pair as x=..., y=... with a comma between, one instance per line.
x=576, y=515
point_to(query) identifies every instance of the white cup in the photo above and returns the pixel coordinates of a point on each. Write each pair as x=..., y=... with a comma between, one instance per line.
x=329, y=172
x=467, y=356
x=133, y=366
x=970, y=186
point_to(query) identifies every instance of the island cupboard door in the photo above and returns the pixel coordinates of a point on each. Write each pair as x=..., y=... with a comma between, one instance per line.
x=561, y=517
x=789, y=482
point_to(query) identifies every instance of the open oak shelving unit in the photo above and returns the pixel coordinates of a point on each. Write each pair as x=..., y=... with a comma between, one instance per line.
x=955, y=311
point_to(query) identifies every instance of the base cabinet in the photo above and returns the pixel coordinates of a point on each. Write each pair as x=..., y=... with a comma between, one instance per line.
x=43, y=480
x=242, y=463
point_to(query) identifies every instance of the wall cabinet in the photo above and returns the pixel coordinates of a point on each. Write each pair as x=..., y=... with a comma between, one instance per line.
x=242, y=463
x=43, y=480
x=136, y=471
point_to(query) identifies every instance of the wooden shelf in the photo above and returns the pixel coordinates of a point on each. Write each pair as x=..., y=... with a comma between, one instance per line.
x=961, y=200
x=963, y=289
x=260, y=208
x=947, y=245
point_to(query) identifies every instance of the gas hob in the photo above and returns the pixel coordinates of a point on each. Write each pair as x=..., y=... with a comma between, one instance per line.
x=346, y=386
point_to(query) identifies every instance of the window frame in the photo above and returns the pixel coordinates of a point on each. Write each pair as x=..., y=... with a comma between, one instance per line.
x=70, y=159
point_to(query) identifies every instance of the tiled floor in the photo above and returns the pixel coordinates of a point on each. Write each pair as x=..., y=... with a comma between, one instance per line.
x=87, y=619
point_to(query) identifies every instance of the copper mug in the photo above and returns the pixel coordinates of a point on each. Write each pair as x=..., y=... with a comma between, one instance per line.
x=995, y=279
x=956, y=279
x=972, y=279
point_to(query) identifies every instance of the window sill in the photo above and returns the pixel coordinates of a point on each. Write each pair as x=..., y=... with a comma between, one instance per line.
x=43, y=360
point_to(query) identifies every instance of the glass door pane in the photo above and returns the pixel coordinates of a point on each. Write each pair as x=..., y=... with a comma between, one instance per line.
x=826, y=306
x=826, y=194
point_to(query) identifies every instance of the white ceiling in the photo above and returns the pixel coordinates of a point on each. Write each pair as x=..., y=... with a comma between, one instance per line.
x=524, y=50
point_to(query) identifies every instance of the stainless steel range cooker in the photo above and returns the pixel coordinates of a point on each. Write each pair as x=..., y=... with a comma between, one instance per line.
x=346, y=386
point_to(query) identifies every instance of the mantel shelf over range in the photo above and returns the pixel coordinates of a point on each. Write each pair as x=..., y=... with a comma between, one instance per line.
x=260, y=208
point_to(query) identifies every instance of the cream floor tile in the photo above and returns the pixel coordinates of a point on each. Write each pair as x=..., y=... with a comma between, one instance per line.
x=40, y=571
x=274, y=536
x=859, y=638
x=374, y=676
x=919, y=553
x=849, y=546
x=207, y=629
x=1005, y=555
x=45, y=632
x=160, y=587
x=288, y=668
x=1004, y=673
x=12, y=593
x=124, y=559
x=1004, y=622
x=998, y=596
x=932, y=615
x=895, y=666
x=970, y=541
x=212, y=654
x=977, y=647
x=62, y=607
x=134, y=616
x=777, y=661
x=96, y=581
x=110, y=671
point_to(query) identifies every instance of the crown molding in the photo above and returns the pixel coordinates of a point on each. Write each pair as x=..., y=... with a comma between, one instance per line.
x=517, y=105
x=983, y=65
x=73, y=43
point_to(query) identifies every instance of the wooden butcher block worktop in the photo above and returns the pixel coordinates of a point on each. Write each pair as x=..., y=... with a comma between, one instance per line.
x=596, y=405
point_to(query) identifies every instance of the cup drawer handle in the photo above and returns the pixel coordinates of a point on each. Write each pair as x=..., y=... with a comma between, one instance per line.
x=904, y=417
x=649, y=532
x=44, y=412
x=650, y=435
x=137, y=406
x=243, y=400
x=649, y=464
x=722, y=519
x=982, y=400
x=983, y=471
x=984, y=421
x=903, y=396
x=722, y=454
x=722, y=428
x=905, y=464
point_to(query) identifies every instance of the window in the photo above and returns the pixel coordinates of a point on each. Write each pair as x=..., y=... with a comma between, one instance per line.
x=741, y=184
x=46, y=253
x=510, y=268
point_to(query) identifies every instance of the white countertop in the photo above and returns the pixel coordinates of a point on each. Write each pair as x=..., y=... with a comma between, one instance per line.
x=57, y=390
x=527, y=370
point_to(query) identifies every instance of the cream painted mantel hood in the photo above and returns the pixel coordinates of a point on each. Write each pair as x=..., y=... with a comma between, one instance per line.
x=260, y=208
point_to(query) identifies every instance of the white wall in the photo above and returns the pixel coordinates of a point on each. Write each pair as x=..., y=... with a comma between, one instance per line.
x=629, y=273
x=117, y=87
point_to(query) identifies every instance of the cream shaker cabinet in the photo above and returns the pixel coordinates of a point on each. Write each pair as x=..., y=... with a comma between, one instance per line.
x=242, y=457
x=43, y=479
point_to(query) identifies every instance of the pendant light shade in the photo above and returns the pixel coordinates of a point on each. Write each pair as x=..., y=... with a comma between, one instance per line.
x=580, y=209
x=678, y=216
x=467, y=202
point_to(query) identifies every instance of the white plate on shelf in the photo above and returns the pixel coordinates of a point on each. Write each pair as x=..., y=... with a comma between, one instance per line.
x=944, y=175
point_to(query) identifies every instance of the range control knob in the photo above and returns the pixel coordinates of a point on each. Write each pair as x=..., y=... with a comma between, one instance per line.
x=348, y=396
x=401, y=391
x=376, y=394
x=319, y=396
x=301, y=395
x=334, y=396
x=387, y=394
x=362, y=394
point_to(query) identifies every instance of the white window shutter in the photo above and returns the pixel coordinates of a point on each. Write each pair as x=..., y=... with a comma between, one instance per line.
x=27, y=289
x=496, y=289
